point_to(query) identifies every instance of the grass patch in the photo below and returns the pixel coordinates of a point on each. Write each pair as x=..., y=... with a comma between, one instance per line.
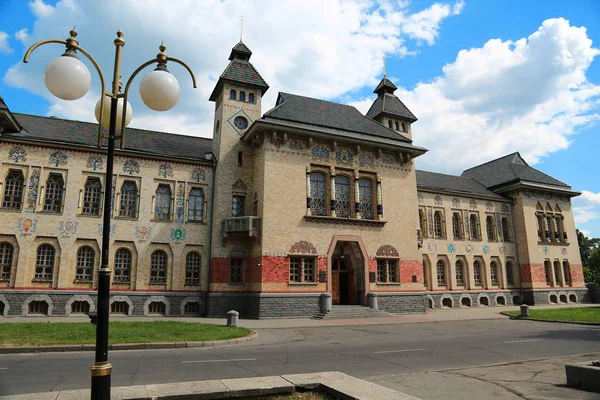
x=35, y=333
x=579, y=314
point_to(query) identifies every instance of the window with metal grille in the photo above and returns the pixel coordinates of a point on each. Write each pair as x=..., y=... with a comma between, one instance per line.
x=196, y=205
x=119, y=307
x=460, y=276
x=318, y=194
x=38, y=307
x=387, y=271
x=162, y=209
x=302, y=269
x=236, y=270
x=122, y=273
x=441, y=272
x=13, y=190
x=44, y=263
x=192, y=268
x=192, y=308
x=505, y=230
x=80, y=307
x=86, y=257
x=238, y=206
x=473, y=226
x=494, y=272
x=548, y=272
x=510, y=278
x=6, y=260
x=437, y=224
x=129, y=199
x=157, y=307
x=489, y=224
x=342, y=196
x=365, y=191
x=158, y=268
x=456, y=231
x=477, y=272
x=91, y=196
x=53, y=197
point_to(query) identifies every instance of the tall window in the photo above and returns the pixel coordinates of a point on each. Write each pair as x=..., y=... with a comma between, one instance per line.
x=473, y=226
x=423, y=222
x=505, y=230
x=86, y=256
x=6, y=259
x=196, y=205
x=318, y=194
x=242, y=96
x=548, y=272
x=129, y=199
x=490, y=227
x=387, y=271
x=54, y=193
x=510, y=278
x=158, y=268
x=456, y=231
x=192, y=268
x=236, y=270
x=122, y=272
x=438, y=228
x=91, y=196
x=162, y=208
x=390, y=125
x=477, y=272
x=302, y=269
x=238, y=206
x=441, y=273
x=557, y=272
x=232, y=95
x=559, y=228
x=13, y=190
x=44, y=263
x=460, y=273
x=425, y=280
x=549, y=228
x=494, y=272
x=540, y=224
x=567, y=271
x=365, y=190
x=250, y=97
x=342, y=196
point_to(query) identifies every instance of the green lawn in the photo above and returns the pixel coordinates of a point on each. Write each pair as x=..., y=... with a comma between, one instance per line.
x=120, y=332
x=581, y=314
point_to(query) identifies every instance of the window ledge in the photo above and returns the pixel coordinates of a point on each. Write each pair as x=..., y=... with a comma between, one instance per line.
x=195, y=222
x=161, y=220
x=236, y=283
x=42, y=280
x=192, y=284
x=303, y=283
x=440, y=238
x=49, y=212
x=5, y=279
x=124, y=217
x=121, y=283
x=554, y=243
x=345, y=221
x=82, y=281
x=82, y=215
x=388, y=283
x=158, y=283
x=13, y=210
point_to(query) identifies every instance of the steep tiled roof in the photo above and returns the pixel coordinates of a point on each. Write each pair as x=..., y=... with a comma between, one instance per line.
x=323, y=113
x=507, y=169
x=391, y=105
x=243, y=71
x=55, y=130
x=387, y=85
x=452, y=183
x=241, y=48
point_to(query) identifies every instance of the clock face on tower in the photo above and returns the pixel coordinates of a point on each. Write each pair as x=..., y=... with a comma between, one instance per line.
x=240, y=123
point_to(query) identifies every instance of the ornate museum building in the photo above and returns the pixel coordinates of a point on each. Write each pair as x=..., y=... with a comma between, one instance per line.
x=279, y=215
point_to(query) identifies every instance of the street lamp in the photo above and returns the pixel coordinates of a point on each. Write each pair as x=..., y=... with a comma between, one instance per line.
x=69, y=79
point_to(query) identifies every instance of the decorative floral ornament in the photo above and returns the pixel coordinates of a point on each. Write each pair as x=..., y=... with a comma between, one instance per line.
x=320, y=151
x=451, y=248
x=17, y=153
x=131, y=167
x=165, y=170
x=95, y=162
x=199, y=174
x=344, y=157
x=545, y=249
x=58, y=158
x=486, y=249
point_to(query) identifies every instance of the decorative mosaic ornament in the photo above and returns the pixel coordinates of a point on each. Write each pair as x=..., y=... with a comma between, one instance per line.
x=179, y=203
x=296, y=145
x=303, y=247
x=388, y=159
x=17, y=153
x=32, y=189
x=451, y=248
x=177, y=234
x=68, y=228
x=438, y=200
x=545, y=249
x=165, y=170
x=95, y=162
x=502, y=250
x=278, y=143
x=111, y=229
x=199, y=174
x=432, y=247
x=27, y=225
x=505, y=209
x=344, y=157
x=320, y=152
x=564, y=251
x=455, y=202
x=366, y=160
x=131, y=167
x=420, y=198
x=58, y=158
x=142, y=232
x=489, y=206
x=469, y=248
x=387, y=251
x=486, y=249
x=473, y=204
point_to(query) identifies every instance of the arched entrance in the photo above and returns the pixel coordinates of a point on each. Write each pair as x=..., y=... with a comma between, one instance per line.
x=348, y=281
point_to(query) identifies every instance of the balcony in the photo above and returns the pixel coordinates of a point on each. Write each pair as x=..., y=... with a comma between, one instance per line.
x=242, y=226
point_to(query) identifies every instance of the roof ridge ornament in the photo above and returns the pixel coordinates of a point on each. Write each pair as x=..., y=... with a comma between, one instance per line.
x=241, y=27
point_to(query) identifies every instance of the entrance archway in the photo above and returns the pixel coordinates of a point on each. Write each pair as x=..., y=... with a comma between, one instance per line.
x=348, y=271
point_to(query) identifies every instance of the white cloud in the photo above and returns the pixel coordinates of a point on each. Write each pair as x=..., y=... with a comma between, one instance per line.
x=585, y=214
x=586, y=207
x=424, y=25
x=21, y=35
x=41, y=9
x=4, y=46
x=588, y=197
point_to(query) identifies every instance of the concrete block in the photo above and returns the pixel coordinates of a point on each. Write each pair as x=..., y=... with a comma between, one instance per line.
x=232, y=318
x=160, y=345
x=195, y=344
x=214, y=389
x=73, y=394
x=583, y=376
x=259, y=386
x=180, y=345
x=313, y=380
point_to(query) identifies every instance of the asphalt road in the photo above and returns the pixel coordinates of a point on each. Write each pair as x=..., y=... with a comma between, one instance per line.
x=360, y=351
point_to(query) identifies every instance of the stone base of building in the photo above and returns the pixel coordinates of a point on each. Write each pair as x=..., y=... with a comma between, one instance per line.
x=563, y=295
x=466, y=299
x=264, y=305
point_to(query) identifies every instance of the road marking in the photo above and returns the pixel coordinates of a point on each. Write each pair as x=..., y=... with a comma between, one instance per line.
x=397, y=351
x=4, y=368
x=213, y=361
x=524, y=341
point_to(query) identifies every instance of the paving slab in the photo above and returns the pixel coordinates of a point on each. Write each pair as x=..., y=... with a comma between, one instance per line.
x=259, y=386
x=214, y=389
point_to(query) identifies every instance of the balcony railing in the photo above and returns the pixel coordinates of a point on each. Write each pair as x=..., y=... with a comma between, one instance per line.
x=242, y=226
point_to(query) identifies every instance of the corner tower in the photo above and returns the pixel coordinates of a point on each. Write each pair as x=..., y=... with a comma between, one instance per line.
x=390, y=111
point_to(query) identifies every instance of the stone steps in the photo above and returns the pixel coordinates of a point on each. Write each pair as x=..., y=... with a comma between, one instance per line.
x=351, y=312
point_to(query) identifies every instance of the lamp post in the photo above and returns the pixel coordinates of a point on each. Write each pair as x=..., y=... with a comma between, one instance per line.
x=69, y=79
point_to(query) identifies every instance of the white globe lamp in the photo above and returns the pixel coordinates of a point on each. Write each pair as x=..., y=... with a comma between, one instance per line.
x=106, y=113
x=67, y=78
x=159, y=89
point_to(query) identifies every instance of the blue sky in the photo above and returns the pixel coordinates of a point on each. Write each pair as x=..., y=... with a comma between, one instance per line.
x=485, y=78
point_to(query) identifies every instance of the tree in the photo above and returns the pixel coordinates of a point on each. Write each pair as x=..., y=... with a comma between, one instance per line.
x=589, y=250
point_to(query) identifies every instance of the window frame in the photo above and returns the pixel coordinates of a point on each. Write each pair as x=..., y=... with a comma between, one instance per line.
x=16, y=188
x=236, y=272
x=201, y=203
x=478, y=277
x=241, y=205
x=129, y=200
x=495, y=272
x=442, y=224
x=510, y=277
x=92, y=197
x=372, y=197
x=157, y=266
x=120, y=265
x=7, y=254
x=457, y=229
x=474, y=227
x=388, y=271
x=86, y=262
x=56, y=195
x=193, y=272
x=47, y=266
x=303, y=263
x=506, y=231
x=313, y=190
x=159, y=216
x=461, y=281
x=351, y=200
x=444, y=275
x=232, y=94
x=490, y=228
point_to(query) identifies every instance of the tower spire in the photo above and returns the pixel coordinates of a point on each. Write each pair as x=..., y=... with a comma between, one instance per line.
x=241, y=27
x=384, y=67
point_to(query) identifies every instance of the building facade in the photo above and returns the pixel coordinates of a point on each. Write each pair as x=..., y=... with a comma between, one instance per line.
x=281, y=214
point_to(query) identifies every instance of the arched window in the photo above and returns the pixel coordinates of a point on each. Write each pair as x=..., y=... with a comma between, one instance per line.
x=490, y=227
x=122, y=272
x=506, y=236
x=44, y=263
x=86, y=257
x=318, y=194
x=232, y=94
x=548, y=272
x=192, y=268
x=342, y=196
x=456, y=231
x=158, y=268
x=441, y=273
x=438, y=227
x=92, y=193
x=397, y=125
x=196, y=205
x=13, y=190
x=6, y=260
x=494, y=272
x=473, y=225
x=242, y=96
x=404, y=127
x=54, y=193
x=477, y=272
x=365, y=191
x=163, y=202
x=129, y=200
x=460, y=273
x=250, y=97
x=510, y=278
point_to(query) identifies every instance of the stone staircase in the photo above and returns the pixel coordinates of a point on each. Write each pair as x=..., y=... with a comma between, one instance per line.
x=351, y=312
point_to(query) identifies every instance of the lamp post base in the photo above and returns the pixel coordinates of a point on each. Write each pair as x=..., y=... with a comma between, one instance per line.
x=101, y=372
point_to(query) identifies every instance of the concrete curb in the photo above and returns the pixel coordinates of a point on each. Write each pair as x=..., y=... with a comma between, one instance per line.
x=125, y=346
x=549, y=320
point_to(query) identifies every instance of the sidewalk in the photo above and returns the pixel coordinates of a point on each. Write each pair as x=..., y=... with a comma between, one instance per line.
x=456, y=314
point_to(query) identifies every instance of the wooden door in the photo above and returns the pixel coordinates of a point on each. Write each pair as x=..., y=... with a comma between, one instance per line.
x=335, y=287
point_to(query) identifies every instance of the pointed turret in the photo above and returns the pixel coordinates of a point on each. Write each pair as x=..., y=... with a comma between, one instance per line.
x=8, y=123
x=389, y=110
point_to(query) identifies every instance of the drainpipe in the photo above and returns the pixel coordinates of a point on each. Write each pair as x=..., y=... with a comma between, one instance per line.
x=210, y=156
